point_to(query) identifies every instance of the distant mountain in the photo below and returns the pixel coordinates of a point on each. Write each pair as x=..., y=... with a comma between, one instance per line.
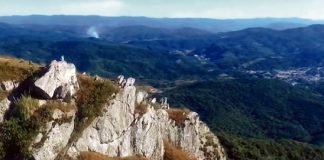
x=230, y=78
x=212, y=25
x=267, y=49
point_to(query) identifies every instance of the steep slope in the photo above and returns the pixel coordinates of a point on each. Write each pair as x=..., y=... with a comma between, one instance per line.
x=52, y=115
x=255, y=108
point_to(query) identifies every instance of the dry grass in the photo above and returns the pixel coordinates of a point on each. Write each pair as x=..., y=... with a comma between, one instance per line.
x=174, y=153
x=97, y=156
x=3, y=95
x=178, y=115
x=56, y=104
x=141, y=109
x=15, y=69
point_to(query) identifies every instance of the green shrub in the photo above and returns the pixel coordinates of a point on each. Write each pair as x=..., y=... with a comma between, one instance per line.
x=17, y=135
x=91, y=98
x=26, y=106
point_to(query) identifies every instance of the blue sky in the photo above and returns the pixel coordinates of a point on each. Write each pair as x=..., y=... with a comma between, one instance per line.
x=312, y=9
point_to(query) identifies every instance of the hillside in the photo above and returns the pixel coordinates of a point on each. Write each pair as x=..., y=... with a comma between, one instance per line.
x=212, y=25
x=255, y=108
x=52, y=112
x=256, y=88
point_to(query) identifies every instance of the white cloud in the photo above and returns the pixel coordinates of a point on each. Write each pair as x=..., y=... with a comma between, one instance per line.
x=99, y=7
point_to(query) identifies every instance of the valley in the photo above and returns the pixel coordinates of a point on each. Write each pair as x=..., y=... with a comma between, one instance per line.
x=255, y=86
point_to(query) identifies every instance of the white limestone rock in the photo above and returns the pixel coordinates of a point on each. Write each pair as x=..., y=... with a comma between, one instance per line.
x=147, y=136
x=59, y=81
x=119, y=132
x=110, y=133
x=130, y=82
x=141, y=95
x=4, y=106
x=56, y=136
x=8, y=85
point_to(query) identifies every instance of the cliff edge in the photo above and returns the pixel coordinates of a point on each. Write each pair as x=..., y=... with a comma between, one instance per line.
x=59, y=114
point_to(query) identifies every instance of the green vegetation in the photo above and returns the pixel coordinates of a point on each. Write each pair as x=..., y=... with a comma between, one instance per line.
x=18, y=132
x=91, y=98
x=240, y=148
x=26, y=106
x=255, y=108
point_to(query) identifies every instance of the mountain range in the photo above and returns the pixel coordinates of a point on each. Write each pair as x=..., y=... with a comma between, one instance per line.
x=257, y=83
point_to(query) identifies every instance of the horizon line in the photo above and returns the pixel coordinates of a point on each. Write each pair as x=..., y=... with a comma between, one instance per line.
x=153, y=17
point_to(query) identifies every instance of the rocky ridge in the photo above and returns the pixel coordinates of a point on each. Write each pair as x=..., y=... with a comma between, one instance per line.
x=131, y=123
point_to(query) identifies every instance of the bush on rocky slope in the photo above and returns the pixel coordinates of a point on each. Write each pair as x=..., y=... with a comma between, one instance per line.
x=26, y=106
x=29, y=119
x=18, y=133
x=174, y=153
x=97, y=156
x=178, y=115
x=90, y=99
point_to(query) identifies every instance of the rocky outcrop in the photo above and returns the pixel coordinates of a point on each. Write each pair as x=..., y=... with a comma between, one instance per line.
x=122, y=132
x=55, y=136
x=8, y=85
x=110, y=133
x=4, y=106
x=131, y=123
x=59, y=80
x=194, y=137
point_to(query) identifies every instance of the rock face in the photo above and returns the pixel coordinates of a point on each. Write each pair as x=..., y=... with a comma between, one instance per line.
x=120, y=131
x=4, y=106
x=59, y=81
x=8, y=85
x=55, y=136
x=110, y=133
x=131, y=123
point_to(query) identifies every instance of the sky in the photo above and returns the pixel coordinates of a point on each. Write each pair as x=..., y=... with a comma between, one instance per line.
x=220, y=9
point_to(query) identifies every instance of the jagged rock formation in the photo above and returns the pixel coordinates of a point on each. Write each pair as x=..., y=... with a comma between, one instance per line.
x=59, y=81
x=55, y=135
x=8, y=85
x=131, y=123
x=4, y=106
x=120, y=131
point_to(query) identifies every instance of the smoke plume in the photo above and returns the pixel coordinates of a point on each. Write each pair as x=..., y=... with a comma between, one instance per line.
x=92, y=32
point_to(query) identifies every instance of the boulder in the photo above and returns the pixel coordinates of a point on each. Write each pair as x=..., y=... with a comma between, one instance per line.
x=59, y=81
x=8, y=85
x=4, y=107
